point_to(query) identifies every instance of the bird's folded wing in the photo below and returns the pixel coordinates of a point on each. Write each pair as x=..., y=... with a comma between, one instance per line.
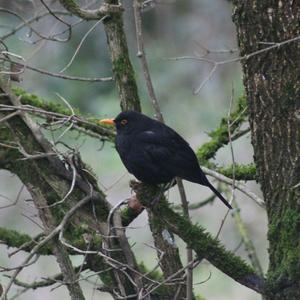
x=155, y=146
x=166, y=146
x=171, y=152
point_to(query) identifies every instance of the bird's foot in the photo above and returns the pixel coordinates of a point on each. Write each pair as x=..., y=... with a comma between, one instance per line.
x=156, y=200
x=169, y=185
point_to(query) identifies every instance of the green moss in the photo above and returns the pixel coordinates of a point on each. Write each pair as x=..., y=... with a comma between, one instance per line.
x=242, y=172
x=7, y=155
x=128, y=215
x=50, y=106
x=34, y=100
x=284, y=246
x=13, y=238
x=120, y=65
x=76, y=236
x=107, y=279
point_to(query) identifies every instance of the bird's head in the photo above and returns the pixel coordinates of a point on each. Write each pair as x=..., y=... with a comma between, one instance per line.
x=129, y=122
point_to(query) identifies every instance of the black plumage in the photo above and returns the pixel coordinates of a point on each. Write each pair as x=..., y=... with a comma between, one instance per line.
x=154, y=153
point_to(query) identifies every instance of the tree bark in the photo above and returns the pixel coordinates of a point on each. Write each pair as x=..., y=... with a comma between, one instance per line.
x=272, y=82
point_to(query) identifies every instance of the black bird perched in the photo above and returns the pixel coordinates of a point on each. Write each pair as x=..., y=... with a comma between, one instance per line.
x=154, y=153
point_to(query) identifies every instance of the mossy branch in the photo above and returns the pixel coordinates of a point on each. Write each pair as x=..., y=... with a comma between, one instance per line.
x=89, y=124
x=241, y=172
x=199, y=240
x=220, y=138
x=15, y=239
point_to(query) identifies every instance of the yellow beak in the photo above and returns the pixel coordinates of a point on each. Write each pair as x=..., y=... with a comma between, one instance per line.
x=107, y=121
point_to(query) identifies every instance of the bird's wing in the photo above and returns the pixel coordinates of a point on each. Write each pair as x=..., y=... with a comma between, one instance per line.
x=168, y=149
x=154, y=147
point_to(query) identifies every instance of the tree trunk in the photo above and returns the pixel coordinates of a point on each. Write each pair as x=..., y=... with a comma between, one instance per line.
x=272, y=82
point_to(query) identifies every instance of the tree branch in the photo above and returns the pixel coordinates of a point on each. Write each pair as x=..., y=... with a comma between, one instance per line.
x=13, y=238
x=91, y=14
x=60, y=111
x=219, y=138
x=200, y=241
x=52, y=178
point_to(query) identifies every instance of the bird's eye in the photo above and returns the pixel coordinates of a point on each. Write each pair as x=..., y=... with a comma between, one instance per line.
x=124, y=122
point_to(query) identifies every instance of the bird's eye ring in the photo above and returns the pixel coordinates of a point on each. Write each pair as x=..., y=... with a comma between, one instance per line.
x=124, y=122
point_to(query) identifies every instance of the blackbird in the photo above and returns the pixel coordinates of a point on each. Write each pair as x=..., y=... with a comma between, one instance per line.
x=154, y=153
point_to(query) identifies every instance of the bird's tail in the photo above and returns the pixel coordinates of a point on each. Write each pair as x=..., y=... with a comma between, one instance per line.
x=220, y=196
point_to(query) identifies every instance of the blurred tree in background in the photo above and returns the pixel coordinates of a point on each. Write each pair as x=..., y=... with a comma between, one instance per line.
x=74, y=227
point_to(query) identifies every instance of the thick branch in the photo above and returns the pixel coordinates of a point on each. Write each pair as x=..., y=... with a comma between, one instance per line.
x=122, y=67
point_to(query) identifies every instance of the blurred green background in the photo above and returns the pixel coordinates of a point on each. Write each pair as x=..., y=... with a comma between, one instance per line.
x=171, y=29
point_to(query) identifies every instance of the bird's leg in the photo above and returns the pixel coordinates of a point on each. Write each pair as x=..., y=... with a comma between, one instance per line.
x=170, y=184
x=163, y=188
x=159, y=195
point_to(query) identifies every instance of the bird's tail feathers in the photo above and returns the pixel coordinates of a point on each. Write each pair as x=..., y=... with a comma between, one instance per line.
x=217, y=193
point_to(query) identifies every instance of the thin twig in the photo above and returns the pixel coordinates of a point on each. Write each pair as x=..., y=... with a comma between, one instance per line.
x=239, y=186
x=141, y=54
x=29, y=21
x=80, y=44
x=249, y=246
x=61, y=76
x=233, y=161
x=16, y=200
x=216, y=64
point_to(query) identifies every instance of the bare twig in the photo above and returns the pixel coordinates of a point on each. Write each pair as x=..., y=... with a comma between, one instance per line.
x=30, y=21
x=74, y=174
x=80, y=44
x=150, y=291
x=69, y=27
x=29, y=25
x=62, y=76
x=249, y=246
x=141, y=54
x=13, y=114
x=216, y=64
x=16, y=200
